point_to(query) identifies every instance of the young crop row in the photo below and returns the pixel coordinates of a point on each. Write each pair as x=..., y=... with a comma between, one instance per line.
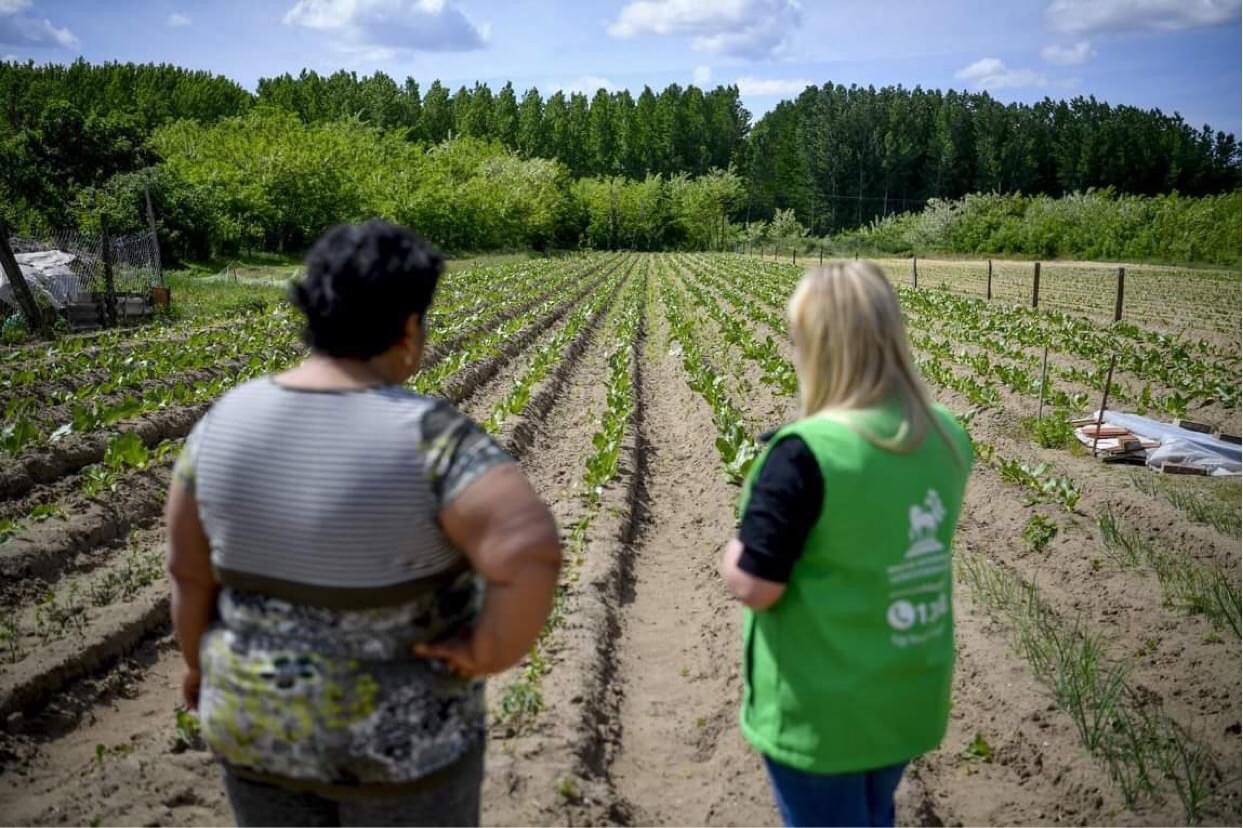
x=493, y=290
x=259, y=345
x=735, y=445
x=546, y=358
x=938, y=322
x=1123, y=330
x=777, y=370
x=1188, y=375
x=523, y=699
x=1148, y=752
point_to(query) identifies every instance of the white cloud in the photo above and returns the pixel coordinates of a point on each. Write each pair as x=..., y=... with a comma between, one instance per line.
x=743, y=28
x=19, y=29
x=177, y=20
x=380, y=29
x=1074, y=55
x=1087, y=16
x=992, y=73
x=701, y=76
x=586, y=84
x=767, y=86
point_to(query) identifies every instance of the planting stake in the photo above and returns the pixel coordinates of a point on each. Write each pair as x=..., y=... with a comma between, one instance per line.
x=1036, y=285
x=1044, y=374
x=915, y=272
x=1100, y=415
x=989, y=295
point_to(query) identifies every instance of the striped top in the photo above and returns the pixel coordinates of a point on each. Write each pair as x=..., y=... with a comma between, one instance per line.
x=331, y=497
x=321, y=509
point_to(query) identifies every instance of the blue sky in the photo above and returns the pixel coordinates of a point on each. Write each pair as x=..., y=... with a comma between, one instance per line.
x=1178, y=55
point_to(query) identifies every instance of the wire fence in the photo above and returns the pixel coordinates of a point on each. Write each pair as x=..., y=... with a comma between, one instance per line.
x=135, y=261
x=89, y=279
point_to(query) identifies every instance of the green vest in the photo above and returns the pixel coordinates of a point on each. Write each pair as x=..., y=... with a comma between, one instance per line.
x=851, y=669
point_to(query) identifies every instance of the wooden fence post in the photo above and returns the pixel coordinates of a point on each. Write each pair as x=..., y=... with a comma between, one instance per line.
x=21, y=291
x=794, y=257
x=110, y=288
x=821, y=255
x=1036, y=286
x=915, y=272
x=1118, y=302
x=989, y=295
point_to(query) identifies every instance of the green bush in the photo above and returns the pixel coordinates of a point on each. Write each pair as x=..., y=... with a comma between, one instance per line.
x=1094, y=225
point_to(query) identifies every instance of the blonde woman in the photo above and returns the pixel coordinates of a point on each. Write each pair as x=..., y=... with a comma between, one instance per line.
x=843, y=561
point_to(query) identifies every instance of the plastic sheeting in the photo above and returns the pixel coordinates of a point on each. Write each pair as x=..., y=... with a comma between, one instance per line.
x=1179, y=445
x=48, y=274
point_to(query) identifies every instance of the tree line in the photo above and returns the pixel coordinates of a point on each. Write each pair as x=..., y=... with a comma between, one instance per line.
x=836, y=157
x=842, y=156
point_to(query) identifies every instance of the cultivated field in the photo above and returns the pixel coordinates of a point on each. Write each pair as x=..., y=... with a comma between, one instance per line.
x=1098, y=606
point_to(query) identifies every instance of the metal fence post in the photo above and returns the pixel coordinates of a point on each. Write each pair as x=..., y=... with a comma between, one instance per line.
x=1118, y=302
x=989, y=295
x=110, y=288
x=915, y=272
x=1036, y=286
x=21, y=290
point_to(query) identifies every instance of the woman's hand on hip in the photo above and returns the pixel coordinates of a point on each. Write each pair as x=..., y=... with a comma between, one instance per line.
x=467, y=654
x=191, y=684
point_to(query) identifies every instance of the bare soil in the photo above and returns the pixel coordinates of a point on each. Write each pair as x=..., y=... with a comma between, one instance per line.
x=640, y=701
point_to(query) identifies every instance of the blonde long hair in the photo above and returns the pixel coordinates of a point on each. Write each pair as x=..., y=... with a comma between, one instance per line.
x=851, y=352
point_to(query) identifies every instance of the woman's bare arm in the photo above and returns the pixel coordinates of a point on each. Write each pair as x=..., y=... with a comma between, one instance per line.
x=511, y=540
x=194, y=587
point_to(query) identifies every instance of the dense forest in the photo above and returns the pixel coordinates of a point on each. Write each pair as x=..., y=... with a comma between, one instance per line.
x=679, y=167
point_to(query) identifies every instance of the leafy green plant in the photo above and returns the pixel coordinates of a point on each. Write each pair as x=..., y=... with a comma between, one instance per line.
x=1052, y=431
x=188, y=734
x=126, y=451
x=1039, y=532
x=979, y=749
x=17, y=435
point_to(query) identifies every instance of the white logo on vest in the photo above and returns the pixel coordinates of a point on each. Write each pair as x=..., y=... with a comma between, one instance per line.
x=925, y=521
x=918, y=587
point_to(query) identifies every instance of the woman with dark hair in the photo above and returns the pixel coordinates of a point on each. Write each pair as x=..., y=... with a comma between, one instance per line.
x=349, y=559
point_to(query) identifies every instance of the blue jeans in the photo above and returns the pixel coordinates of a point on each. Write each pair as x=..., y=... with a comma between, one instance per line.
x=834, y=799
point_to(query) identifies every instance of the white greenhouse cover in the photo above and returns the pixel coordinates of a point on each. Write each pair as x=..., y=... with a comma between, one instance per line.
x=47, y=273
x=1178, y=445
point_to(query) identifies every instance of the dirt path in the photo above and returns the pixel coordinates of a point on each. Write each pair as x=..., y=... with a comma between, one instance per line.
x=682, y=760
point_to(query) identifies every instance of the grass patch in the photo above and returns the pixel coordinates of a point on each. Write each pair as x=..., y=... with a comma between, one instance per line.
x=1197, y=588
x=1148, y=753
x=1205, y=500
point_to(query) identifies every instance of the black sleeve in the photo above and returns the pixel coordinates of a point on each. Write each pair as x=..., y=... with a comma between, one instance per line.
x=785, y=504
